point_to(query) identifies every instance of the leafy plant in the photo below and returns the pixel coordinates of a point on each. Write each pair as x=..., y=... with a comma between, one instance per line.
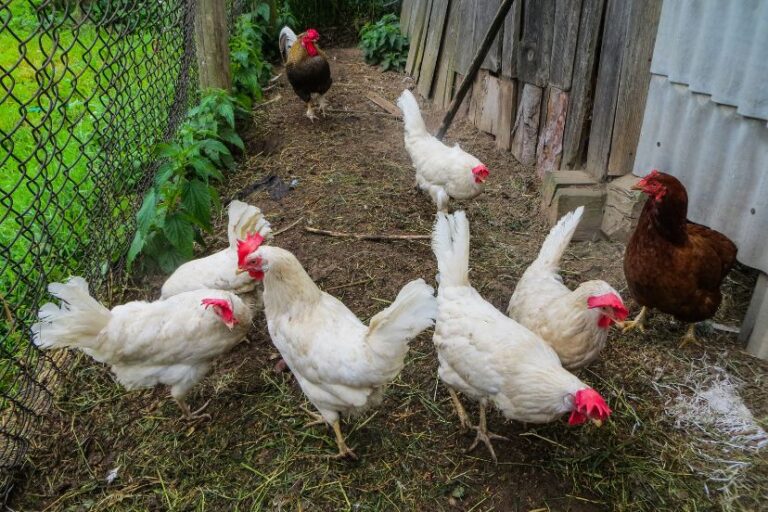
x=250, y=69
x=383, y=44
x=177, y=208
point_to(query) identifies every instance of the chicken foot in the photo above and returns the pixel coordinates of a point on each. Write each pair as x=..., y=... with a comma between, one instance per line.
x=317, y=419
x=637, y=323
x=311, y=111
x=322, y=104
x=689, y=337
x=460, y=411
x=484, y=435
x=190, y=415
x=344, y=450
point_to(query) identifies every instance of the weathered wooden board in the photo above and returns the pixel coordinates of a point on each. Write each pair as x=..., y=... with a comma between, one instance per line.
x=507, y=110
x=484, y=107
x=422, y=41
x=418, y=22
x=535, y=48
x=464, y=108
x=582, y=85
x=405, y=16
x=633, y=85
x=435, y=35
x=466, y=48
x=607, y=87
x=485, y=11
x=443, y=90
x=526, y=129
x=566, y=35
x=550, y=146
x=512, y=28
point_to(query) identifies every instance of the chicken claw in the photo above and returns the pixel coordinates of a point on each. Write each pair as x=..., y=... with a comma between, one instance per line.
x=637, y=323
x=317, y=419
x=460, y=411
x=344, y=450
x=484, y=435
x=322, y=104
x=189, y=415
x=689, y=337
x=311, y=112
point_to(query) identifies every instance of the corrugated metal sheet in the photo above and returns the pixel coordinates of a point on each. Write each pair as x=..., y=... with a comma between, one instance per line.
x=720, y=156
x=719, y=48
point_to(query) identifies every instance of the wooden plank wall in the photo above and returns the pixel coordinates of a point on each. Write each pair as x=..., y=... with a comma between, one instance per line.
x=563, y=86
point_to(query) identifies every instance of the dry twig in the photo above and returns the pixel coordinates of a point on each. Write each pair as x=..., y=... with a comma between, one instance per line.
x=365, y=236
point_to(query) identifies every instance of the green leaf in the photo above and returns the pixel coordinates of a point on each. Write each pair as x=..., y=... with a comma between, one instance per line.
x=179, y=232
x=233, y=138
x=196, y=199
x=164, y=173
x=147, y=212
x=227, y=111
x=136, y=246
x=170, y=259
x=168, y=150
x=215, y=198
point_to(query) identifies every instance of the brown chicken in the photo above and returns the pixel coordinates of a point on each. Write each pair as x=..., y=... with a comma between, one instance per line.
x=672, y=264
x=307, y=67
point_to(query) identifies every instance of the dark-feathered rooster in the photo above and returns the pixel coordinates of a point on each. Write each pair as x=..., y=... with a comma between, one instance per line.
x=672, y=264
x=307, y=67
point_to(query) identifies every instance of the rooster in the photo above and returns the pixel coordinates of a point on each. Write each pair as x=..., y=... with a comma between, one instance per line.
x=171, y=342
x=307, y=67
x=672, y=264
x=342, y=365
x=490, y=357
x=218, y=271
x=441, y=171
x=575, y=323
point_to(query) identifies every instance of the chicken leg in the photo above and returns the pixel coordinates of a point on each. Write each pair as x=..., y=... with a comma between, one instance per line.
x=190, y=415
x=460, y=411
x=689, y=337
x=344, y=450
x=317, y=419
x=311, y=111
x=322, y=104
x=637, y=323
x=483, y=434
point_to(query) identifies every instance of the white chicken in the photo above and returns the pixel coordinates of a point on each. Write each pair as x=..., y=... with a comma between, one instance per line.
x=490, y=357
x=575, y=323
x=342, y=365
x=218, y=271
x=441, y=171
x=171, y=342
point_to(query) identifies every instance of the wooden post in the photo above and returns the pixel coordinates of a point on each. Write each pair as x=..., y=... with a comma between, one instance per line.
x=212, y=41
x=474, y=67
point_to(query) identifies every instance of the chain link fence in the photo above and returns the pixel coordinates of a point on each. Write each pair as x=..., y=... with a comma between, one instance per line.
x=87, y=88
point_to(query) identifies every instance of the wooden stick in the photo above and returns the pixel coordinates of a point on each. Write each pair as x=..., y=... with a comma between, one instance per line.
x=365, y=236
x=474, y=67
x=384, y=103
x=290, y=226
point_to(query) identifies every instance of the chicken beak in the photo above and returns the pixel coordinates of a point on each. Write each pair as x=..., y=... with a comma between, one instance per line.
x=598, y=423
x=637, y=186
x=240, y=271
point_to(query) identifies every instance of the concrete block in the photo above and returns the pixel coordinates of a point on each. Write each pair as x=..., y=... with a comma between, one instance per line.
x=622, y=208
x=570, y=198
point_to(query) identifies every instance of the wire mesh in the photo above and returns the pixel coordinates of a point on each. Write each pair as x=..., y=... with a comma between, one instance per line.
x=87, y=88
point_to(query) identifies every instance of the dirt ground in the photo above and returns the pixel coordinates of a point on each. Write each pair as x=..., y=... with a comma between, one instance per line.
x=352, y=174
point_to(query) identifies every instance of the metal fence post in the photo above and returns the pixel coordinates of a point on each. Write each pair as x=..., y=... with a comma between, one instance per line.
x=212, y=41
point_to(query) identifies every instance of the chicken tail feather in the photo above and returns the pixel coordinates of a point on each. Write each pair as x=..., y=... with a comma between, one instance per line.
x=77, y=322
x=413, y=310
x=414, y=124
x=450, y=243
x=557, y=240
x=244, y=220
x=287, y=38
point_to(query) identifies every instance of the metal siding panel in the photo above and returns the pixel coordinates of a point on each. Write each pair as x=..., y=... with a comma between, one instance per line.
x=719, y=155
x=716, y=47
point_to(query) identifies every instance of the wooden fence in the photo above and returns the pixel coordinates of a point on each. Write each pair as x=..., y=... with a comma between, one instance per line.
x=562, y=87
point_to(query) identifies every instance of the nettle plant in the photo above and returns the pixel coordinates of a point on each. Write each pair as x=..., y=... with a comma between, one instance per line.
x=250, y=69
x=383, y=44
x=177, y=208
